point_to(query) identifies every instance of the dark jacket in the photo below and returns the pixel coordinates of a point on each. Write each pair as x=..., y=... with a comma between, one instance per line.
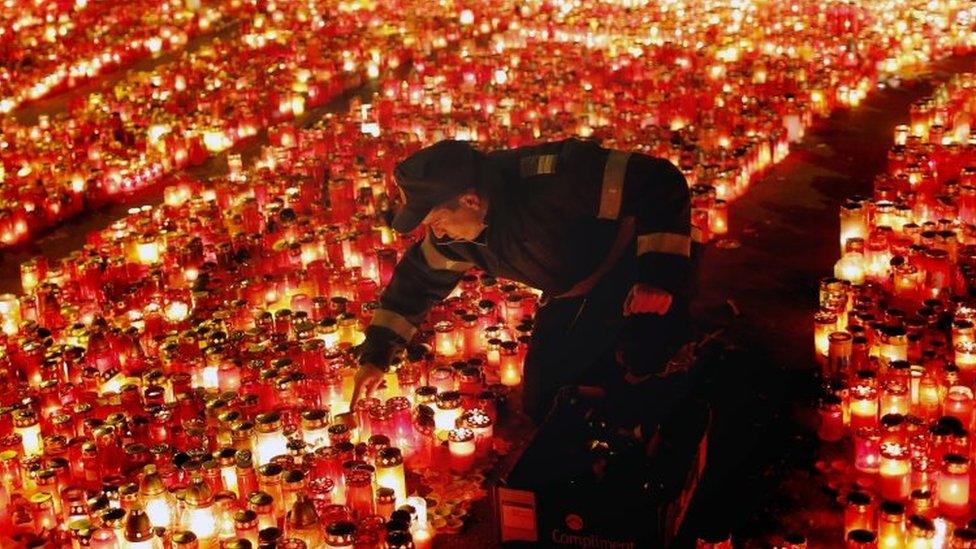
x=553, y=213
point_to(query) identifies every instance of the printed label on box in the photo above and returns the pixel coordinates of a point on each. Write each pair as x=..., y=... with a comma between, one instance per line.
x=517, y=513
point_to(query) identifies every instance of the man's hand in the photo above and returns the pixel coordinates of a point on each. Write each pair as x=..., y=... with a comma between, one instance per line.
x=367, y=378
x=646, y=299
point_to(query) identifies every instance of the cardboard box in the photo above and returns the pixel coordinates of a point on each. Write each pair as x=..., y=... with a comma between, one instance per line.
x=552, y=498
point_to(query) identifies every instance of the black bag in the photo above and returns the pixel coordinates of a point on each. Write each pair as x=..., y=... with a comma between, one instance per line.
x=586, y=481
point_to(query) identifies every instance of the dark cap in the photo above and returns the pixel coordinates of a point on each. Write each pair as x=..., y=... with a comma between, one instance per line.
x=432, y=176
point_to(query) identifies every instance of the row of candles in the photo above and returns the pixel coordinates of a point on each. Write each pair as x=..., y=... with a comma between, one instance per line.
x=184, y=379
x=48, y=48
x=894, y=334
x=277, y=64
x=719, y=88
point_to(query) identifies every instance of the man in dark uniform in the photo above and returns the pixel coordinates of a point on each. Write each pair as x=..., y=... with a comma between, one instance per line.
x=605, y=235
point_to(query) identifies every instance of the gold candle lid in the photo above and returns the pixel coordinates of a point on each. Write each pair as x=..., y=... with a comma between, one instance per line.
x=198, y=493
x=920, y=527
x=955, y=464
x=184, y=539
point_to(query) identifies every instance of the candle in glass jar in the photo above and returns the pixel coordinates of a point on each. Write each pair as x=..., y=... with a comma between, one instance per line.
x=442, y=378
x=462, y=447
x=158, y=505
x=839, y=349
x=27, y=426
x=938, y=272
x=867, y=449
x=963, y=331
x=389, y=473
x=31, y=273
x=104, y=538
x=825, y=323
x=43, y=511
x=349, y=332
x=10, y=314
x=340, y=535
x=147, y=250
x=198, y=517
x=445, y=339
x=328, y=331
x=315, y=428
x=510, y=367
x=965, y=358
x=227, y=461
x=929, y=397
x=359, y=491
x=901, y=134
x=863, y=406
x=246, y=525
x=138, y=532
x=482, y=426
x=907, y=280
x=718, y=218
x=302, y=523
x=263, y=506
x=964, y=537
x=493, y=353
x=891, y=525
x=831, y=419
x=893, y=471
x=894, y=344
x=859, y=513
x=954, y=485
x=270, y=440
x=853, y=223
x=959, y=404
x=894, y=398
x=471, y=334
x=448, y=410
x=228, y=376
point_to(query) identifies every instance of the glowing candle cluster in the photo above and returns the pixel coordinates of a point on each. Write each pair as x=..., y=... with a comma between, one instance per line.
x=187, y=373
x=278, y=63
x=54, y=46
x=720, y=88
x=894, y=334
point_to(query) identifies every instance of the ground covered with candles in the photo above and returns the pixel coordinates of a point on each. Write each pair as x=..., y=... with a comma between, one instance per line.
x=193, y=205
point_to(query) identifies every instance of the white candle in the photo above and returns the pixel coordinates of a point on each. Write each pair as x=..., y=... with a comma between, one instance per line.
x=462, y=447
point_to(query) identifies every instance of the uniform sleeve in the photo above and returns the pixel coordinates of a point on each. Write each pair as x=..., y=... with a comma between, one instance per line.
x=653, y=192
x=660, y=201
x=426, y=274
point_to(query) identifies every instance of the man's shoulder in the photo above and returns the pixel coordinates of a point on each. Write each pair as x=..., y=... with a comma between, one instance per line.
x=570, y=143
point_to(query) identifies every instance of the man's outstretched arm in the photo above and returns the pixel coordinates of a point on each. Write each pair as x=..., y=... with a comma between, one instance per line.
x=425, y=275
